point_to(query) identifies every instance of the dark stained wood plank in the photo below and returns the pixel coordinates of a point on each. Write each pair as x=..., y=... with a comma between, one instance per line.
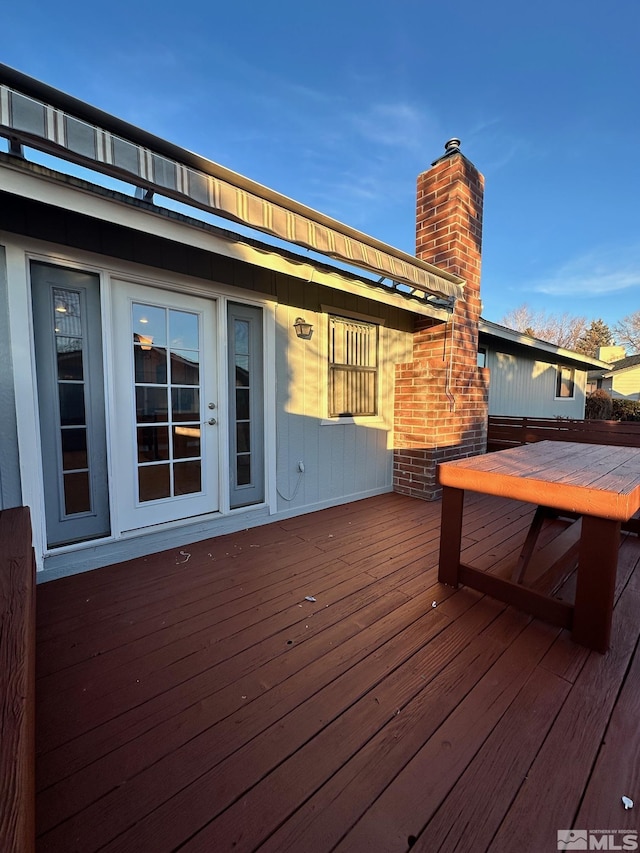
x=148, y=675
x=573, y=741
x=541, y=606
x=475, y=807
x=589, y=479
x=286, y=787
x=322, y=820
x=202, y=576
x=506, y=431
x=17, y=682
x=185, y=712
x=180, y=780
x=251, y=742
x=417, y=791
x=616, y=772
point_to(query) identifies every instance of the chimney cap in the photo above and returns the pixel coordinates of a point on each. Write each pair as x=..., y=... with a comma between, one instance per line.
x=451, y=147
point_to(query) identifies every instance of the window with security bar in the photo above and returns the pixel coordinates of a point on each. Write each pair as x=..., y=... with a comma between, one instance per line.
x=353, y=367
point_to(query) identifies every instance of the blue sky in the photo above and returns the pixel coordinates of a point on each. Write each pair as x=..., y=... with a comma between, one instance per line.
x=340, y=105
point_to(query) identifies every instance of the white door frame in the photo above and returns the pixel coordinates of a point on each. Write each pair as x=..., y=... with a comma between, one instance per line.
x=139, y=513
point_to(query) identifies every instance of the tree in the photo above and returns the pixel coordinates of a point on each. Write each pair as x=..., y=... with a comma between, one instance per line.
x=627, y=332
x=597, y=335
x=562, y=330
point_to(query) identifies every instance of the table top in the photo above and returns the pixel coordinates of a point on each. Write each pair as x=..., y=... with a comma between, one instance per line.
x=590, y=479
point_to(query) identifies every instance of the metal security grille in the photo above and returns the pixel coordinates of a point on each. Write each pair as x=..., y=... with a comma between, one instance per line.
x=353, y=367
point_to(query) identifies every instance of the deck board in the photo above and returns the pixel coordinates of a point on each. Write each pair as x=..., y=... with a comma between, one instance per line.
x=475, y=807
x=367, y=720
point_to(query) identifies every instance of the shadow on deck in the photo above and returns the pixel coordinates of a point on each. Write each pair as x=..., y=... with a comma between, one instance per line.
x=198, y=700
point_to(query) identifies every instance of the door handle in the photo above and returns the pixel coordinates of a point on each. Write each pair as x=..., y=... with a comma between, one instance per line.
x=212, y=421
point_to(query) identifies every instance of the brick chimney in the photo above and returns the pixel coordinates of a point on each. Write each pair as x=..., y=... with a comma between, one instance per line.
x=441, y=396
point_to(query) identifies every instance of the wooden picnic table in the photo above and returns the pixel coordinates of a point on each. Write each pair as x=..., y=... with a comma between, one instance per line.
x=599, y=483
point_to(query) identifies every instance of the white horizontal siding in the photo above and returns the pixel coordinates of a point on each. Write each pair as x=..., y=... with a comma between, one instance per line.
x=343, y=459
x=627, y=384
x=526, y=388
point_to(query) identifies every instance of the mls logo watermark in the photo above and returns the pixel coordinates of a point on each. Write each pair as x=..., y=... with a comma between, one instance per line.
x=597, y=839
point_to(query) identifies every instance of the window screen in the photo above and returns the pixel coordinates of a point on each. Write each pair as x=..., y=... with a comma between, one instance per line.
x=353, y=367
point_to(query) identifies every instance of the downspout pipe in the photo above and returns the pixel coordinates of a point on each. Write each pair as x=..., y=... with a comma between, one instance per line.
x=448, y=390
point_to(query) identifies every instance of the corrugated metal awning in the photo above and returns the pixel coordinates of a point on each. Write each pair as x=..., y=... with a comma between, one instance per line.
x=37, y=115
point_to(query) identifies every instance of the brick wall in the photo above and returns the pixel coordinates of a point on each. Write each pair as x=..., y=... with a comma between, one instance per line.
x=441, y=396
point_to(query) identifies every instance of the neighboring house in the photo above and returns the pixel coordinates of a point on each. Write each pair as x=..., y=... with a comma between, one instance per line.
x=163, y=379
x=532, y=378
x=621, y=379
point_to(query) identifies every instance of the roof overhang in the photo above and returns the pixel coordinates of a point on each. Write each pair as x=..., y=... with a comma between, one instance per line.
x=494, y=330
x=41, y=184
x=616, y=371
x=37, y=115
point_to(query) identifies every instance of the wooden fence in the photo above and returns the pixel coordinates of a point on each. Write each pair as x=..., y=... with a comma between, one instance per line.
x=17, y=683
x=506, y=431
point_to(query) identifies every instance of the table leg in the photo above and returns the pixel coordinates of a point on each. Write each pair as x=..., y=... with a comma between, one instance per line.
x=596, y=582
x=541, y=513
x=450, y=535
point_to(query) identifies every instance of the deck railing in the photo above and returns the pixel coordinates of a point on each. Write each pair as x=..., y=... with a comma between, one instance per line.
x=17, y=683
x=504, y=431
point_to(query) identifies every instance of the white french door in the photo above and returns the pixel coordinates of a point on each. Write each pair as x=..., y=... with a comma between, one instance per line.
x=166, y=441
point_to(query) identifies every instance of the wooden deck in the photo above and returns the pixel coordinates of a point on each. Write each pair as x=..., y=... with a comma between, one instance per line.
x=196, y=700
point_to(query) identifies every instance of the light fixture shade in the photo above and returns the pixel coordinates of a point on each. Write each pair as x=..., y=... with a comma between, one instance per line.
x=303, y=330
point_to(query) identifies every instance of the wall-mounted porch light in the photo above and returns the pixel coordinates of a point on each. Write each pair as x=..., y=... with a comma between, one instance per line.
x=303, y=330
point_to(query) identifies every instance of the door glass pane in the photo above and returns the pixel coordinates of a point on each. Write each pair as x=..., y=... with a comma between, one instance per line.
x=74, y=449
x=185, y=369
x=149, y=325
x=244, y=469
x=178, y=437
x=153, y=443
x=187, y=477
x=183, y=330
x=242, y=404
x=76, y=493
x=71, y=404
x=186, y=442
x=69, y=352
x=242, y=371
x=185, y=404
x=243, y=433
x=66, y=312
x=151, y=404
x=150, y=364
x=154, y=482
x=241, y=336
